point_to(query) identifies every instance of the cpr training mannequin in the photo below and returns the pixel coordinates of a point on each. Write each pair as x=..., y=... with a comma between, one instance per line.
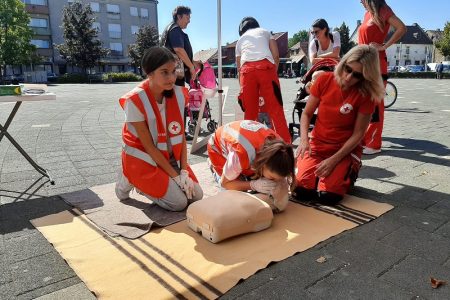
x=328, y=161
x=249, y=156
x=154, y=155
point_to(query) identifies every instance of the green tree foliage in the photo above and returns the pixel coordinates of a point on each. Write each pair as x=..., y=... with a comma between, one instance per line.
x=81, y=46
x=444, y=44
x=346, y=44
x=301, y=36
x=146, y=37
x=15, y=35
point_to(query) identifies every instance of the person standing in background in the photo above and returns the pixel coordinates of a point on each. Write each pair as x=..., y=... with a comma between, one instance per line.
x=325, y=44
x=177, y=41
x=257, y=60
x=439, y=69
x=378, y=18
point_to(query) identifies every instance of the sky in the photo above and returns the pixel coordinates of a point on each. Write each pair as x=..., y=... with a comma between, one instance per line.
x=291, y=16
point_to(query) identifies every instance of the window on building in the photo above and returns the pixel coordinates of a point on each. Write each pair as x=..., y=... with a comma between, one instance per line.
x=36, y=2
x=37, y=22
x=134, y=29
x=41, y=43
x=116, y=49
x=113, y=8
x=97, y=26
x=133, y=11
x=95, y=6
x=407, y=50
x=144, y=13
x=115, y=31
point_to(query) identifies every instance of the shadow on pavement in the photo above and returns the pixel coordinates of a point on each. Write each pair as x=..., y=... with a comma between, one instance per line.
x=409, y=110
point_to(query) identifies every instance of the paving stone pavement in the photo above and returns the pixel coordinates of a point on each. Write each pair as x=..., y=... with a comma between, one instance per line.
x=77, y=138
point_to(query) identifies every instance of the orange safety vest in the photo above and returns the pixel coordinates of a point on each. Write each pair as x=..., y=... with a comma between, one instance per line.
x=245, y=138
x=138, y=166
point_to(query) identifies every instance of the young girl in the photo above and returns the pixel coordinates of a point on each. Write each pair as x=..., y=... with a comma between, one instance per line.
x=249, y=156
x=330, y=160
x=154, y=156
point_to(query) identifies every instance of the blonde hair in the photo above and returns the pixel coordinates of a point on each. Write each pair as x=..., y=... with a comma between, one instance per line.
x=374, y=7
x=372, y=84
x=278, y=157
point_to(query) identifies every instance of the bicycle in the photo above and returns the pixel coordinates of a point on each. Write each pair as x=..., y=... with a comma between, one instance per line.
x=391, y=94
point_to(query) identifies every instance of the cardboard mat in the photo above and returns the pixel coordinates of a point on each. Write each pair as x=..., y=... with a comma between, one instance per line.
x=175, y=262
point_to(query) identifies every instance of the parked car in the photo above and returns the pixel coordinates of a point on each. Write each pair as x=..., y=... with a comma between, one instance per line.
x=414, y=68
x=52, y=77
x=391, y=69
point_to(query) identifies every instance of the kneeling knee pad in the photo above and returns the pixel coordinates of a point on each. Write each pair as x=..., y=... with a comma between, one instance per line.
x=329, y=198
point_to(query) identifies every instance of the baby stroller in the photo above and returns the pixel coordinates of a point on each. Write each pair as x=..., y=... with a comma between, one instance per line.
x=301, y=98
x=203, y=87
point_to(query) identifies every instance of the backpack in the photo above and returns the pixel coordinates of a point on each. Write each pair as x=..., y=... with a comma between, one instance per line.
x=317, y=42
x=163, y=42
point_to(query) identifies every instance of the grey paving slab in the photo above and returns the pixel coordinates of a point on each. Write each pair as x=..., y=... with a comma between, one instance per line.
x=414, y=274
x=433, y=247
x=419, y=218
x=76, y=292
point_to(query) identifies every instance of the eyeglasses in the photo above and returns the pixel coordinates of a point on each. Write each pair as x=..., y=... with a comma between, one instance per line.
x=356, y=75
x=315, y=32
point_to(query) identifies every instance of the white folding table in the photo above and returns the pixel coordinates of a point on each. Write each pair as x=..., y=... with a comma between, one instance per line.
x=4, y=128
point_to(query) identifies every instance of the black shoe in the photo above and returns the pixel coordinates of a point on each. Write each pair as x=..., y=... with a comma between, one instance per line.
x=189, y=137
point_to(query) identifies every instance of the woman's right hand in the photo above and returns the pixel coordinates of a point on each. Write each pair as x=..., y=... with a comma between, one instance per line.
x=302, y=148
x=263, y=185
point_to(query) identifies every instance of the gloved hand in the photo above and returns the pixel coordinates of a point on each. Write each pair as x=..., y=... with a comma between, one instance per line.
x=189, y=188
x=179, y=181
x=263, y=185
x=187, y=184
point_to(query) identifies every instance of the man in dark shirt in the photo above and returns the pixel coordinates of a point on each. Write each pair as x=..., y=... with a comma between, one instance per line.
x=178, y=42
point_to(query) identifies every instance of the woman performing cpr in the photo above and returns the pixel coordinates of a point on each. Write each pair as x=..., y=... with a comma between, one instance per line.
x=249, y=156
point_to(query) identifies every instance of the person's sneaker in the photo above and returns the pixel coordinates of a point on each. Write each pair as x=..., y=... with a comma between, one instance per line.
x=123, y=187
x=370, y=151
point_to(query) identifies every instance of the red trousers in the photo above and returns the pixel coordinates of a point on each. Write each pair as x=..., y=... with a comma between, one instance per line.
x=338, y=181
x=257, y=79
x=372, y=138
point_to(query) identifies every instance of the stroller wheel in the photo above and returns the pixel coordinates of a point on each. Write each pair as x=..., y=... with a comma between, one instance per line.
x=212, y=126
x=191, y=127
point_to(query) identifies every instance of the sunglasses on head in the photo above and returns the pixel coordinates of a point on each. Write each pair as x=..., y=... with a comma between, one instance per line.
x=356, y=75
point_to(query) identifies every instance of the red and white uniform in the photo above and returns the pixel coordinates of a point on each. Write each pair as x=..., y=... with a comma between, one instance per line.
x=138, y=166
x=368, y=33
x=334, y=125
x=233, y=147
x=258, y=77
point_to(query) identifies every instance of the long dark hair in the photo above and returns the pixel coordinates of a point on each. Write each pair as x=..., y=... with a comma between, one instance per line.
x=322, y=24
x=278, y=157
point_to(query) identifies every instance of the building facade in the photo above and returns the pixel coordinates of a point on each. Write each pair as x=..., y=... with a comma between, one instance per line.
x=116, y=20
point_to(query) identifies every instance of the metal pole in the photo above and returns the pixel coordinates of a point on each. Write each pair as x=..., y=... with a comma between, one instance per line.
x=219, y=56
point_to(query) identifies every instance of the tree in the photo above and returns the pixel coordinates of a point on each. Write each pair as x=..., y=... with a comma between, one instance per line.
x=346, y=43
x=301, y=36
x=15, y=35
x=81, y=46
x=444, y=43
x=146, y=37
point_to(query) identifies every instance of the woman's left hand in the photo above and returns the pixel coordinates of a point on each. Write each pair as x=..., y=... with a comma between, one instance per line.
x=325, y=167
x=377, y=46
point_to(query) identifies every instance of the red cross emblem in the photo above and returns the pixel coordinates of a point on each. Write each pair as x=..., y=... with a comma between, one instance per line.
x=174, y=127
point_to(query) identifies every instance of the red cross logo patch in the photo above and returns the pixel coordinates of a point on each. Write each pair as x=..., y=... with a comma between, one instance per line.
x=346, y=108
x=174, y=127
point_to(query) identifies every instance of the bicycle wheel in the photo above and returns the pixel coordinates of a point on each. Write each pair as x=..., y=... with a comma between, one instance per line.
x=391, y=95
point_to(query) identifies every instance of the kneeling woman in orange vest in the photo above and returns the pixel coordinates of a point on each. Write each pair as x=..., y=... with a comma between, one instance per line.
x=330, y=159
x=249, y=156
x=154, y=155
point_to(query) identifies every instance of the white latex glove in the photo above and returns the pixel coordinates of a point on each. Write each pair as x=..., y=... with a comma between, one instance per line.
x=179, y=181
x=184, y=175
x=263, y=185
x=189, y=188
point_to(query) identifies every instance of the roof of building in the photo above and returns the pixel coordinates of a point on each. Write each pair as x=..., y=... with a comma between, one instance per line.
x=414, y=35
x=205, y=55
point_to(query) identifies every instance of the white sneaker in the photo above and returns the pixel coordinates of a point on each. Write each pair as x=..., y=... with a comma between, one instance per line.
x=123, y=187
x=370, y=151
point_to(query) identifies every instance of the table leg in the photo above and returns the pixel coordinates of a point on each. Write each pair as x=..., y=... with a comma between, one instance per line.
x=4, y=132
